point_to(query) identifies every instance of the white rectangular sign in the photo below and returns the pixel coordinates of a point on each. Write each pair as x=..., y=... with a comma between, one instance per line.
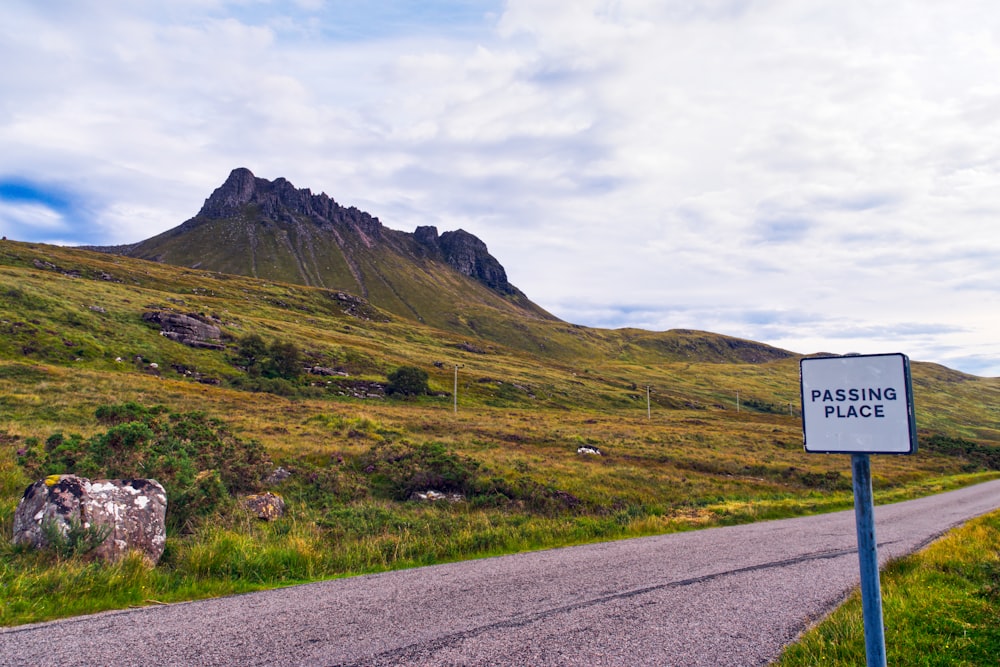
x=861, y=404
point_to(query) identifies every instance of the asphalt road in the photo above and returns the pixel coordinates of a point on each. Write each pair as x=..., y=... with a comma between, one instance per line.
x=725, y=596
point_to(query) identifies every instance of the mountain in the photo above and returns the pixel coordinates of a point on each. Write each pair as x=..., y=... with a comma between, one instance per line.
x=272, y=230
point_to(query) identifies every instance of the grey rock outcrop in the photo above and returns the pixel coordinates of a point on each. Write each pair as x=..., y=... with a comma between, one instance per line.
x=277, y=476
x=280, y=200
x=467, y=254
x=237, y=191
x=106, y=518
x=190, y=329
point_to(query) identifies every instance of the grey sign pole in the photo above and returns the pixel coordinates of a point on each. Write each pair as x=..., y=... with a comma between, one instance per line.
x=871, y=593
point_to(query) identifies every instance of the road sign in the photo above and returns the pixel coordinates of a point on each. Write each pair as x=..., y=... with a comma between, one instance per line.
x=860, y=404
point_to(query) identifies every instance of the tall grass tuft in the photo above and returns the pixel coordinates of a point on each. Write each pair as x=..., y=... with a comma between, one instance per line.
x=270, y=554
x=37, y=589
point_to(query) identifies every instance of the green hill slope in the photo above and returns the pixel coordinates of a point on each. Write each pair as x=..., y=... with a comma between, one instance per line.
x=85, y=310
x=549, y=440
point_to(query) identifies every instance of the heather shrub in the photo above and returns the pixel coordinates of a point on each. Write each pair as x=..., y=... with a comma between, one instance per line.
x=197, y=459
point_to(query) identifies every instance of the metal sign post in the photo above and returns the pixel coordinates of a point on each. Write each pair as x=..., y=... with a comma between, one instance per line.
x=871, y=591
x=861, y=405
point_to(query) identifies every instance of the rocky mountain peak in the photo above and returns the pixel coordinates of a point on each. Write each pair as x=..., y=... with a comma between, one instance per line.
x=427, y=236
x=468, y=255
x=238, y=190
x=280, y=200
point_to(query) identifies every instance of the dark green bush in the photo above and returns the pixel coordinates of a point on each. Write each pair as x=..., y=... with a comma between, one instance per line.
x=251, y=353
x=407, y=381
x=279, y=359
x=398, y=470
x=119, y=413
x=284, y=360
x=978, y=457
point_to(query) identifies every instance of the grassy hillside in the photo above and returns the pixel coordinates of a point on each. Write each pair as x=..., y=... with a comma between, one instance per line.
x=73, y=339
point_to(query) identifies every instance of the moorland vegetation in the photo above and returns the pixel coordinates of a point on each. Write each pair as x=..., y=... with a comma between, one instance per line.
x=359, y=406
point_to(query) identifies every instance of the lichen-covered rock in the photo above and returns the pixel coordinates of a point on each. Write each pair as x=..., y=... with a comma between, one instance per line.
x=267, y=506
x=106, y=518
x=53, y=501
x=136, y=509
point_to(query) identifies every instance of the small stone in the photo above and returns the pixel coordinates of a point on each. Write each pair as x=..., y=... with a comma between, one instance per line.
x=279, y=475
x=267, y=506
x=434, y=496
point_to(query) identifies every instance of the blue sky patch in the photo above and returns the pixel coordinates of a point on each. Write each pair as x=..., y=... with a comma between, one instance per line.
x=32, y=211
x=351, y=21
x=21, y=191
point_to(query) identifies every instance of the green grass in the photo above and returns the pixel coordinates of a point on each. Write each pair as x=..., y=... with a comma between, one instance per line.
x=940, y=607
x=235, y=553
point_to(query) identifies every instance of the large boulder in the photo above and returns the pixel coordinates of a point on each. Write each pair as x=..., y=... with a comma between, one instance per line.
x=105, y=518
x=192, y=329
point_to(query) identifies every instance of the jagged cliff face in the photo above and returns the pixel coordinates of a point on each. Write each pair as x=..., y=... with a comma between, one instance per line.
x=468, y=255
x=281, y=201
x=273, y=230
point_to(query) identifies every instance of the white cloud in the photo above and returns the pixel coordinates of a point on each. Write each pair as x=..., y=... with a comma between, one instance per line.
x=29, y=217
x=663, y=164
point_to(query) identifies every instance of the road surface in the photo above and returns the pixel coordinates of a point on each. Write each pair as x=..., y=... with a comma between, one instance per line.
x=723, y=596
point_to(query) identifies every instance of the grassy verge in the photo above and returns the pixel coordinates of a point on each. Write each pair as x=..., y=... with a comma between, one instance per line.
x=941, y=607
x=235, y=553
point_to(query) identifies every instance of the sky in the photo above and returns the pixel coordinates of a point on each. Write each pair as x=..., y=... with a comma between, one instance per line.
x=818, y=175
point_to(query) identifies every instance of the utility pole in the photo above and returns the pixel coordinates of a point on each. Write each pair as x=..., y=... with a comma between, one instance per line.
x=455, y=393
x=737, y=401
x=649, y=412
